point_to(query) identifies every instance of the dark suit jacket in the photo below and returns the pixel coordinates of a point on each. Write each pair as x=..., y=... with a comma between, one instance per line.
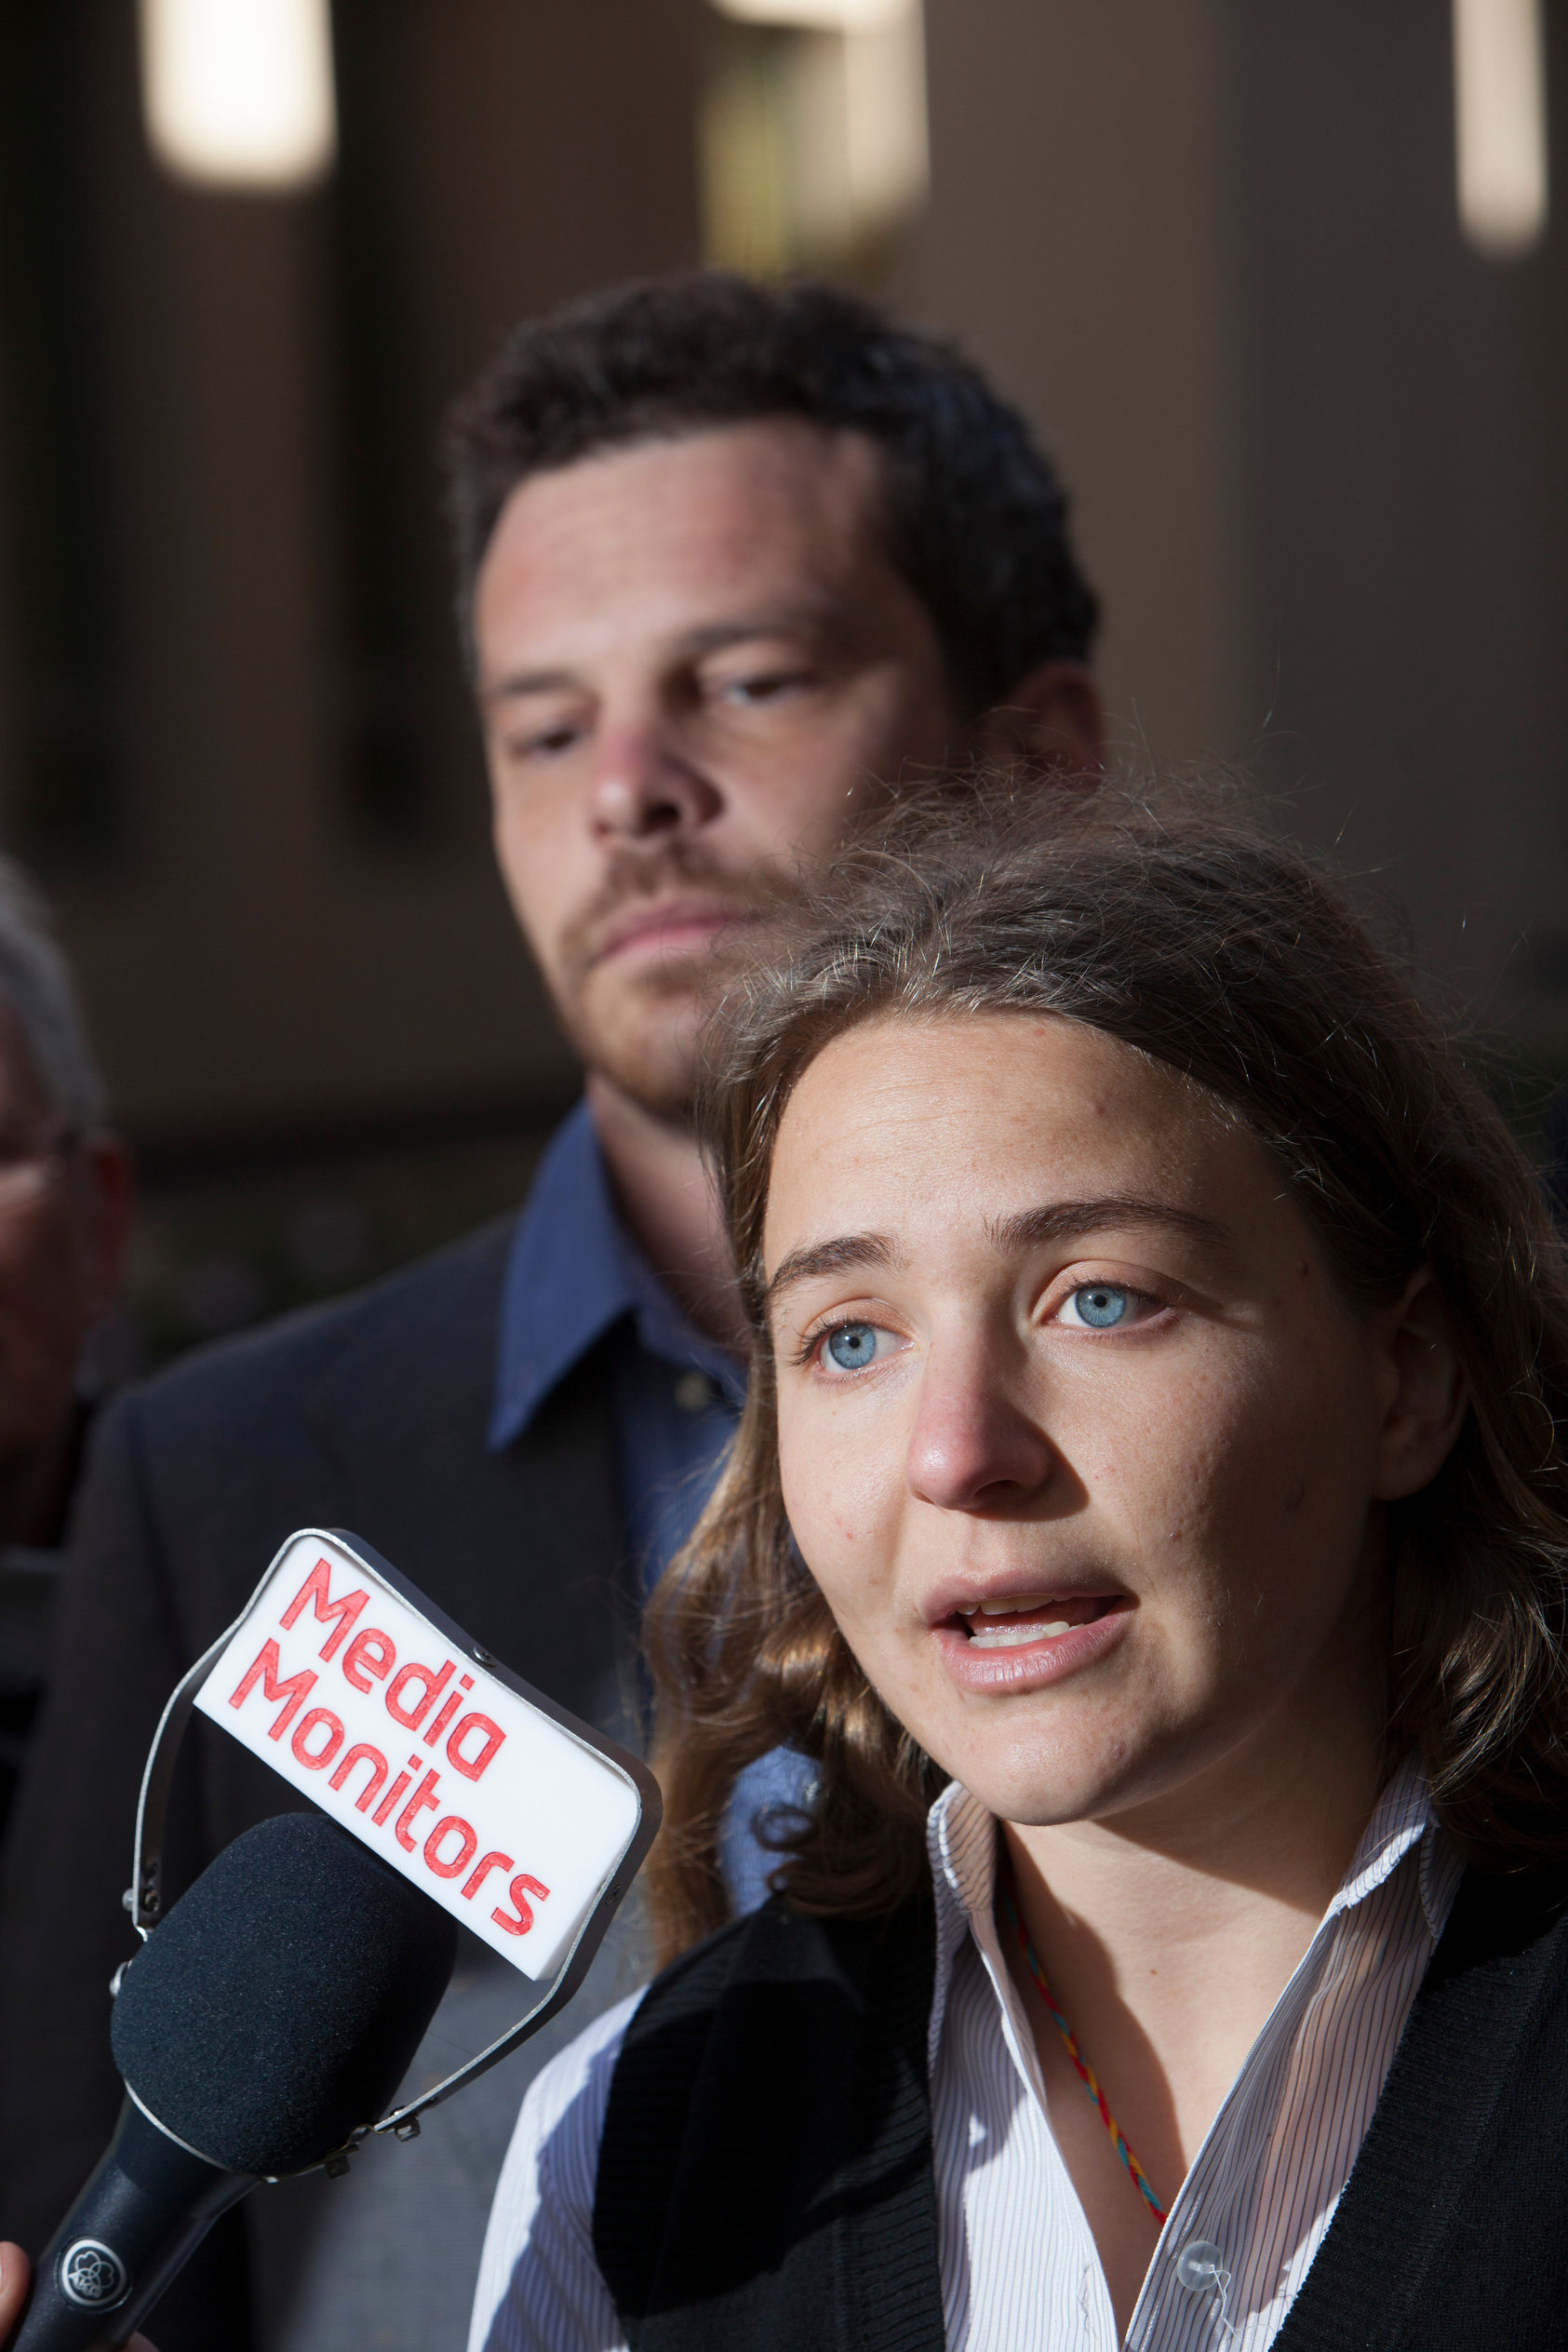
x=368, y=1415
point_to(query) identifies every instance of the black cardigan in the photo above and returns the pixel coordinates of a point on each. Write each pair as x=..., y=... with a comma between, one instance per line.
x=765, y=2177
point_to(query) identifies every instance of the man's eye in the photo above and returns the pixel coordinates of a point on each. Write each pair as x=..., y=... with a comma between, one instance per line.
x=849, y=1347
x=549, y=742
x=1100, y=1307
x=766, y=686
x=518, y=743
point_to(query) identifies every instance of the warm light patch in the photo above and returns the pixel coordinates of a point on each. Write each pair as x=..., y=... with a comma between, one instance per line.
x=817, y=16
x=238, y=93
x=814, y=134
x=1500, y=123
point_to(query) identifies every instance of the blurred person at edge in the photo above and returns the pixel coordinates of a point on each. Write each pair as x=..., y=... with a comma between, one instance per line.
x=64, y=1217
x=731, y=562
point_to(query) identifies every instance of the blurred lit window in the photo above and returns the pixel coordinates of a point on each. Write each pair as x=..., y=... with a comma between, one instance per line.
x=238, y=93
x=1500, y=122
x=813, y=133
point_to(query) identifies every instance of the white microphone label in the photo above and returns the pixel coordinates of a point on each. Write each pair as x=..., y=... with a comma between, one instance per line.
x=501, y=1815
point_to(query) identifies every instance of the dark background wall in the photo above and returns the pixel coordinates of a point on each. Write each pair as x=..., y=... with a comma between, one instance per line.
x=1318, y=447
x=1406, y=508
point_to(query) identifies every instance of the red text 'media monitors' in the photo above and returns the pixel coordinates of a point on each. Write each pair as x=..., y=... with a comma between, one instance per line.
x=503, y=1815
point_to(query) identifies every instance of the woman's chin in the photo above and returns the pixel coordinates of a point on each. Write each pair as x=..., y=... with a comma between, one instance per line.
x=1082, y=1790
x=1067, y=1764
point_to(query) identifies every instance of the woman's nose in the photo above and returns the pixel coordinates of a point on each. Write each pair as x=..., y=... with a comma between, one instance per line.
x=975, y=1447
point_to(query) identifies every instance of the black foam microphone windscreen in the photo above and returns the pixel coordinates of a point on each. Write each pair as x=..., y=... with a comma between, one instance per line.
x=272, y=2015
x=278, y=2006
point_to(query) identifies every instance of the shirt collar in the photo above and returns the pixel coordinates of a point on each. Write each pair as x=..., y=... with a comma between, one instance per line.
x=572, y=1273
x=961, y=1841
x=1402, y=1817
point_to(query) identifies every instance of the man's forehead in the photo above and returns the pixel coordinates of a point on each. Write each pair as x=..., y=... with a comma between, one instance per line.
x=773, y=512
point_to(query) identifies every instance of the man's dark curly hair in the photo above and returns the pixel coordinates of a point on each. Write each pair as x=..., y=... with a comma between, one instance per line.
x=975, y=517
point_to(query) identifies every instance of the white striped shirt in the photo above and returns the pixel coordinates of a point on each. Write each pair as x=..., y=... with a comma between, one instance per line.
x=1020, y=2272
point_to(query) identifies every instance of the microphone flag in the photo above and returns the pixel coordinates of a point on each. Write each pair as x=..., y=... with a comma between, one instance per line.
x=279, y=2003
x=494, y=1805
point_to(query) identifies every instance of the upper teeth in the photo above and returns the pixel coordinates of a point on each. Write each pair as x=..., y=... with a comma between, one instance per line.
x=1004, y=1609
x=1007, y=1636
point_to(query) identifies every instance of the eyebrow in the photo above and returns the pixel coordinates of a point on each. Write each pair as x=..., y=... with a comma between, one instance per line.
x=1065, y=1220
x=1060, y=1221
x=532, y=681
x=792, y=621
x=845, y=1255
x=784, y=620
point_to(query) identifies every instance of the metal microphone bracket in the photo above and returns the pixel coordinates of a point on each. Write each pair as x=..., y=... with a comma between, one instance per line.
x=144, y=1898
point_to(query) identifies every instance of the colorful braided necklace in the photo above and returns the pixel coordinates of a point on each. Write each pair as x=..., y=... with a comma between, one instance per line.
x=1085, y=2070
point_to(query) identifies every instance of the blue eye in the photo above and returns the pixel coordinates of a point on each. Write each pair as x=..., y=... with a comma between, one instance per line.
x=1101, y=1306
x=852, y=1345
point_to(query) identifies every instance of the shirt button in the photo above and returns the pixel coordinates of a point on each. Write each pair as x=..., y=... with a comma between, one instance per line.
x=693, y=1392
x=1200, y=2267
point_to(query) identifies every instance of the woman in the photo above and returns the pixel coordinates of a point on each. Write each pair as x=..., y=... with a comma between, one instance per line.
x=1148, y=1512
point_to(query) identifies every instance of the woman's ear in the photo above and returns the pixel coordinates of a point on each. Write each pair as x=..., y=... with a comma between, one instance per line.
x=1424, y=1389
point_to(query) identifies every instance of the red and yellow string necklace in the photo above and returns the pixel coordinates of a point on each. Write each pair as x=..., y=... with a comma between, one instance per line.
x=1085, y=2070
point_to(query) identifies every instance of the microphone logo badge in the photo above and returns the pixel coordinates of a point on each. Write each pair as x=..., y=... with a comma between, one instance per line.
x=92, y=2276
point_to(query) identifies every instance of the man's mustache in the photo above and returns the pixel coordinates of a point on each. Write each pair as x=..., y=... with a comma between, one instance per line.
x=677, y=869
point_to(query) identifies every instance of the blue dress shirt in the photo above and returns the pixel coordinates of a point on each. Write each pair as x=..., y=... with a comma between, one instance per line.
x=574, y=1278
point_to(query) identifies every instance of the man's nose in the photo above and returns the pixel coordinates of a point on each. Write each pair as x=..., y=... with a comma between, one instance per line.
x=643, y=786
x=974, y=1445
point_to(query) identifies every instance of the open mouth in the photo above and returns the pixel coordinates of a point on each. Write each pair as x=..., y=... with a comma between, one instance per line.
x=1010, y=1624
x=1011, y=1642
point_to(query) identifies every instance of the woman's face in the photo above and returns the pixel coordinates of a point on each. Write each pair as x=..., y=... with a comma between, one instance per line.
x=1078, y=1437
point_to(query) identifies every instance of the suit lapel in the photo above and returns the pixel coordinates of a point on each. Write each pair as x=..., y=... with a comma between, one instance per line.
x=765, y=2172
x=888, y=2284
x=1405, y=2197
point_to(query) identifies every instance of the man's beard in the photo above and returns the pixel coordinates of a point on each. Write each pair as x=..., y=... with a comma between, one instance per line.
x=642, y=1029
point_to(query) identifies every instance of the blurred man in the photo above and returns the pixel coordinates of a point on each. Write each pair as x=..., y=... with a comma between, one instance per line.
x=64, y=1211
x=731, y=562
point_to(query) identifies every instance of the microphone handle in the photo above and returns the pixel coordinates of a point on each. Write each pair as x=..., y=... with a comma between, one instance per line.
x=143, y=2214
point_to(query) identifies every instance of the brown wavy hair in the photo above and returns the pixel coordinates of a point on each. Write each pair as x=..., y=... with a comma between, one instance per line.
x=1222, y=953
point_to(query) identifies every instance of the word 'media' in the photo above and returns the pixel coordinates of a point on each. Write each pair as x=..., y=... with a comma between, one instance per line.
x=418, y=1699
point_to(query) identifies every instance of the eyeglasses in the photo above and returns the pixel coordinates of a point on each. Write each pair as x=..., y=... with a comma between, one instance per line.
x=27, y=1164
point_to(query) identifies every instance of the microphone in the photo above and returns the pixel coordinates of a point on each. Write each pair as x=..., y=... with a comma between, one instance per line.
x=270, y=2016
